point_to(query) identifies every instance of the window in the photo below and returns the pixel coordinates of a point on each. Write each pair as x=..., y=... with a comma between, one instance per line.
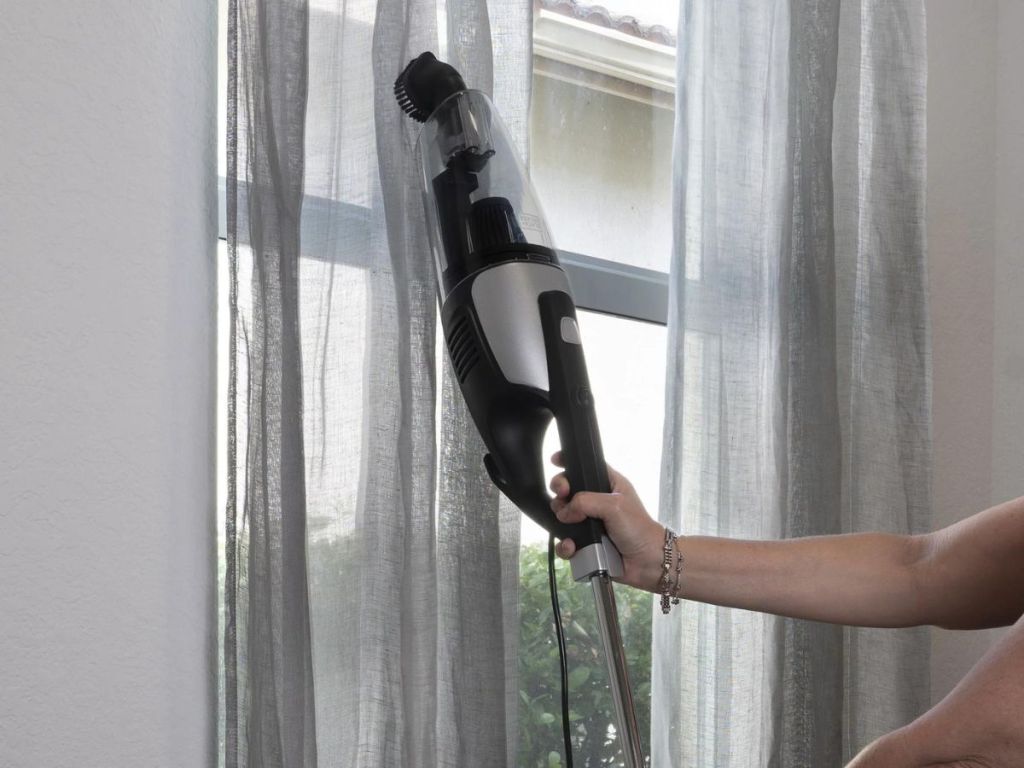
x=601, y=142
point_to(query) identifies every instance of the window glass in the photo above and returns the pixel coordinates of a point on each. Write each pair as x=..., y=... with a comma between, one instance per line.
x=601, y=134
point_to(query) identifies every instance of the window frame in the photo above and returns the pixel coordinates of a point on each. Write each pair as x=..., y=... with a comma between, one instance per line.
x=598, y=285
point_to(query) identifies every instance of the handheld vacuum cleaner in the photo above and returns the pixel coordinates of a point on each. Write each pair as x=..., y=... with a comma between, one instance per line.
x=509, y=323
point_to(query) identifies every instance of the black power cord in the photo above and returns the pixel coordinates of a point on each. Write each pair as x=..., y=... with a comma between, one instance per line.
x=560, y=634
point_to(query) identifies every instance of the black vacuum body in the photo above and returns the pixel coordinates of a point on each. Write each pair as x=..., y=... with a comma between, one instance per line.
x=507, y=310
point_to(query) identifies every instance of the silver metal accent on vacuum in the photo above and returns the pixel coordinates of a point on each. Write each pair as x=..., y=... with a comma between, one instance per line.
x=597, y=558
x=628, y=730
x=570, y=331
x=511, y=290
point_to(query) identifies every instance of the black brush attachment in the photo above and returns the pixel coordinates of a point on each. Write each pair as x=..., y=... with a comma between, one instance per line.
x=424, y=84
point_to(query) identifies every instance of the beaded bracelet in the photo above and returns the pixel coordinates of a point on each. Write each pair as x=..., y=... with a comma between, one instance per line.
x=670, y=588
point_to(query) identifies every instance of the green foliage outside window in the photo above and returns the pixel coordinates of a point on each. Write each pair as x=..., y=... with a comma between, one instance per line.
x=540, y=720
x=591, y=711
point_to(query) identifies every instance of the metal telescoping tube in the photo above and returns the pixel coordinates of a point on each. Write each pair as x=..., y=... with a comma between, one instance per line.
x=618, y=674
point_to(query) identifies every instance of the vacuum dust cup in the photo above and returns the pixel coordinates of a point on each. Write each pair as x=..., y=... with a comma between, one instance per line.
x=481, y=209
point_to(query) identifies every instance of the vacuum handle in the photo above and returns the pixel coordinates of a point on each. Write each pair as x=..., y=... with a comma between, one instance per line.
x=572, y=403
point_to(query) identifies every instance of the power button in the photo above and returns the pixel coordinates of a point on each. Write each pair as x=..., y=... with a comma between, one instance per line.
x=583, y=397
x=570, y=331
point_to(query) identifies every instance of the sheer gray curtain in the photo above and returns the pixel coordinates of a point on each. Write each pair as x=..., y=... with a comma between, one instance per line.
x=798, y=378
x=371, y=573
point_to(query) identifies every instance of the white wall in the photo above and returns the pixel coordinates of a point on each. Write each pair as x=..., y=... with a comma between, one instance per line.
x=976, y=263
x=107, y=234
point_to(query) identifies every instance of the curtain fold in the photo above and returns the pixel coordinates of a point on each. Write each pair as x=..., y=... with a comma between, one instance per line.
x=269, y=676
x=371, y=572
x=798, y=389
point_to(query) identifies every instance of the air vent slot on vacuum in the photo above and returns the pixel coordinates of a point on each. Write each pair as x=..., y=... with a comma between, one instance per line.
x=462, y=347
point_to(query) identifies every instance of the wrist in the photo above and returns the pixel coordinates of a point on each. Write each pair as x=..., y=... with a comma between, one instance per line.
x=652, y=570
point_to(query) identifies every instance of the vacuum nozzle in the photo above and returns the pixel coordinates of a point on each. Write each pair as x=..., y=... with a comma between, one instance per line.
x=424, y=84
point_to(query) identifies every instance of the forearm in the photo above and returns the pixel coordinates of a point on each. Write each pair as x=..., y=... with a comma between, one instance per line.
x=966, y=576
x=858, y=579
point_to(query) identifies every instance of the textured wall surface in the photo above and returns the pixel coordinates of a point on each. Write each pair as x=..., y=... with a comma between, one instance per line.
x=107, y=235
x=976, y=263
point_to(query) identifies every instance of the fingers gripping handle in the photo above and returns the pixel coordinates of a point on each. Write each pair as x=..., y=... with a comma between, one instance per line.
x=573, y=406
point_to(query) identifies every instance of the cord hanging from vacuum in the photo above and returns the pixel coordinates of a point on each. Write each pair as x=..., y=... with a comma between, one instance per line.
x=563, y=663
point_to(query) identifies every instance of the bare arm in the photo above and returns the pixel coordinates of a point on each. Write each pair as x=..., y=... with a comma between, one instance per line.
x=858, y=579
x=974, y=570
x=968, y=575
x=978, y=725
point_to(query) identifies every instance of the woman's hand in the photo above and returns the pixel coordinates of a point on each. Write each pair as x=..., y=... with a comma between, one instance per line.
x=639, y=539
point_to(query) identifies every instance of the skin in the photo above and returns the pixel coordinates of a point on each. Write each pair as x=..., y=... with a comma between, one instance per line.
x=967, y=576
